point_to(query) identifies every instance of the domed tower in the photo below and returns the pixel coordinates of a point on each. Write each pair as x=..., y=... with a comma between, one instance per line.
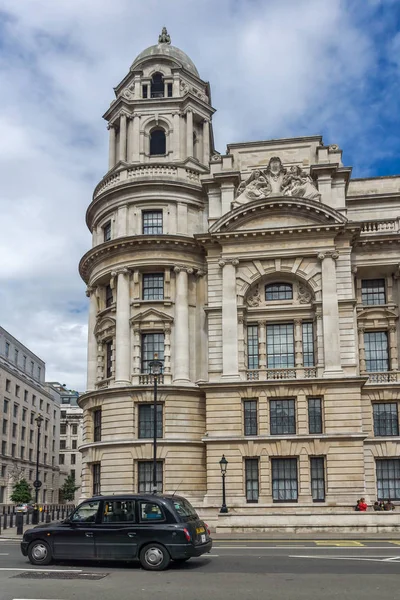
x=145, y=278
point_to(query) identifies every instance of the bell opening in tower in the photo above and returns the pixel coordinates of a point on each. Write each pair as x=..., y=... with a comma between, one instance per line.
x=157, y=142
x=157, y=86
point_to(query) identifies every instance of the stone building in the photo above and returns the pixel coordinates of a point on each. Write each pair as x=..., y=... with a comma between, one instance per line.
x=266, y=280
x=23, y=396
x=71, y=432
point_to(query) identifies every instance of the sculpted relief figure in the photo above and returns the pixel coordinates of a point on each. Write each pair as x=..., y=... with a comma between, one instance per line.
x=275, y=180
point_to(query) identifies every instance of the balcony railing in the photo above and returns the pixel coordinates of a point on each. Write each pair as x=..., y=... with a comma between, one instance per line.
x=379, y=227
x=279, y=374
x=147, y=379
x=383, y=377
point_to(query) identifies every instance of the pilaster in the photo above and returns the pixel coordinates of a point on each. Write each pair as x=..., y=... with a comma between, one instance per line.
x=230, y=360
x=330, y=315
x=92, y=343
x=122, y=329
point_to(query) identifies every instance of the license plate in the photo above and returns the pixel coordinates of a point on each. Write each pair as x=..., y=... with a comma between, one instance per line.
x=200, y=530
x=203, y=538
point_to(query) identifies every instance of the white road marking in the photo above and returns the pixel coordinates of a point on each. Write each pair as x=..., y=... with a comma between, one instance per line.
x=308, y=547
x=340, y=558
x=42, y=570
x=4, y=554
x=391, y=558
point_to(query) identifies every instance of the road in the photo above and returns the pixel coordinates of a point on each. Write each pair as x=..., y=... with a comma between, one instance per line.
x=293, y=569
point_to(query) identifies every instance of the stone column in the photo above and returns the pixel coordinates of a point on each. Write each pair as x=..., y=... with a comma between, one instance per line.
x=92, y=343
x=393, y=351
x=298, y=343
x=135, y=144
x=177, y=134
x=330, y=315
x=136, y=350
x=230, y=362
x=181, y=350
x=167, y=349
x=361, y=349
x=122, y=330
x=189, y=133
x=112, y=148
x=262, y=345
x=122, y=137
x=129, y=140
x=206, y=141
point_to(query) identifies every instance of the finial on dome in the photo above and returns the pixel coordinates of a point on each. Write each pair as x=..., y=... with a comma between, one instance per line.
x=164, y=38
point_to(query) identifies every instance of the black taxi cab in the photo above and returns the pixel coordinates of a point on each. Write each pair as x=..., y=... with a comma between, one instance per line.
x=152, y=528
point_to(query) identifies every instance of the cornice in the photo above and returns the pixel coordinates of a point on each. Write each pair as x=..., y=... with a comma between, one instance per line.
x=321, y=437
x=239, y=385
x=111, y=392
x=142, y=442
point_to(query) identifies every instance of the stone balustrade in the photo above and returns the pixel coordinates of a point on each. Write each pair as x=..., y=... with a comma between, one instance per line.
x=383, y=377
x=279, y=374
x=379, y=227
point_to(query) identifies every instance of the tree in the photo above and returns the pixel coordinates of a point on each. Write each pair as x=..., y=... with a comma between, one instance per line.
x=21, y=492
x=69, y=488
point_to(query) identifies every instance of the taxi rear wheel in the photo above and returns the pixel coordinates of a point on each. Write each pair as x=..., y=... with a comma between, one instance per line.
x=39, y=553
x=154, y=557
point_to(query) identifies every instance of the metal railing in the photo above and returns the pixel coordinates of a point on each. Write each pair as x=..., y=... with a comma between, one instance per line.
x=47, y=514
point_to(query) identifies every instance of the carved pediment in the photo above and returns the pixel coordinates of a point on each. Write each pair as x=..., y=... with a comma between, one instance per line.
x=376, y=313
x=151, y=315
x=104, y=327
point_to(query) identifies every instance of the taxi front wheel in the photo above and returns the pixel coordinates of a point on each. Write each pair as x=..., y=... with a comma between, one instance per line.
x=39, y=553
x=154, y=557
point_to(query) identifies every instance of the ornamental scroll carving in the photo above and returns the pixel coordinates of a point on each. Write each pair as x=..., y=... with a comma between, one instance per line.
x=276, y=180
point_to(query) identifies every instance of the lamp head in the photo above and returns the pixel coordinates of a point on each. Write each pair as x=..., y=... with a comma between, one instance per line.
x=223, y=463
x=155, y=365
x=39, y=420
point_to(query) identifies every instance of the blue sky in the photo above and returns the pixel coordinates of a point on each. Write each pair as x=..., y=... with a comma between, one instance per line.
x=277, y=69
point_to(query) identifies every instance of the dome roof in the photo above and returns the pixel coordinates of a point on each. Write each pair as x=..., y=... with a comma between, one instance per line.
x=164, y=49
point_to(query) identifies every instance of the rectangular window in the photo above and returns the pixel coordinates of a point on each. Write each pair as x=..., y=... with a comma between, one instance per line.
x=107, y=232
x=97, y=425
x=23, y=431
x=3, y=470
x=63, y=444
x=14, y=430
x=26, y=395
x=30, y=454
x=386, y=420
x=280, y=346
x=153, y=286
x=7, y=349
x=33, y=400
x=5, y=425
x=15, y=412
x=388, y=479
x=41, y=404
x=278, y=291
x=152, y=222
x=146, y=420
x=63, y=429
x=45, y=458
x=284, y=479
x=4, y=448
x=109, y=296
x=73, y=459
x=252, y=347
x=63, y=414
x=24, y=362
x=373, y=291
x=145, y=476
x=22, y=452
x=308, y=344
x=24, y=411
x=5, y=406
x=109, y=357
x=17, y=390
x=31, y=437
x=72, y=472
x=376, y=351
x=144, y=91
x=251, y=473
x=152, y=343
x=250, y=417
x=8, y=385
x=314, y=415
x=317, y=467
x=74, y=444
x=74, y=429
x=96, y=473
x=61, y=459
x=32, y=366
x=13, y=449
x=39, y=371
x=282, y=417
x=169, y=90
x=16, y=356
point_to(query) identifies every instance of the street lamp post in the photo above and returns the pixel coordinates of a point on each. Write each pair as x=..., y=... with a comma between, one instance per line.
x=155, y=367
x=223, y=463
x=37, y=483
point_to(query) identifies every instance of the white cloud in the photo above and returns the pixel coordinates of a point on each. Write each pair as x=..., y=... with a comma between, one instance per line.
x=276, y=69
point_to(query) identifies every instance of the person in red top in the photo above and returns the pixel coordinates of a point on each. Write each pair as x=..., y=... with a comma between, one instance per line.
x=362, y=505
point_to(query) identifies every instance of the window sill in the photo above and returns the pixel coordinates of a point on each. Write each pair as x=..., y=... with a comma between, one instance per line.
x=165, y=302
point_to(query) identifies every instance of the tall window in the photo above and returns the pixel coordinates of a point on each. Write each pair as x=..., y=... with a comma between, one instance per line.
x=146, y=421
x=314, y=415
x=251, y=472
x=109, y=296
x=152, y=222
x=388, y=479
x=373, y=291
x=317, y=467
x=157, y=142
x=308, y=344
x=63, y=429
x=250, y=417
x=107, y=231
x=108, y=359
x=284, y=479
x=152, y=343
x=386, y=420
x=24, y=363
x=7, y=349
x=96, y=474
x=16, y=356
x=97, y=425
x=376, y=351
x=157, y=86
x=153, y=286
x=282, y=417
x=145, y=476
x=169, y=88
x=63, y=444
x=280, y=346
x=252, y=347
x=278, y=291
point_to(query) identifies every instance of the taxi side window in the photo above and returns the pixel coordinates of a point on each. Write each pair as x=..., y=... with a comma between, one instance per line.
x=119, y=511
x=150, y=512
x=86, y=513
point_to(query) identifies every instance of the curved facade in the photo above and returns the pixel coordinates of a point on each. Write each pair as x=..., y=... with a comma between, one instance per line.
x=266, y=280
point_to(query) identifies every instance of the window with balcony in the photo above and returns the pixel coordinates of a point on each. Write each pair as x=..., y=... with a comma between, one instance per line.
x=250, y=417
x=146, y=421
x=373, y=292
x=251, y=475
x=153, y=286
x=109, y=296
x=388, y=479
x=282, y=417
x=284, y=480
x=109, y=357
x=152, y=222
x=157, y=142
x=314, y=415
x=317, y=468
x=145, y=476
x=152, y=343
x=278, y=291
x=96, y=476
x=252, y=347
x=386, y=419
x=97, y=425
x=280, y=346
x=107, y=232
x=376, y=351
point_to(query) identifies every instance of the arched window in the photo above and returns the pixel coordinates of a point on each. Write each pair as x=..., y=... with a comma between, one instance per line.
x=278, y=291
x=157, y=142
x=157, y=86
